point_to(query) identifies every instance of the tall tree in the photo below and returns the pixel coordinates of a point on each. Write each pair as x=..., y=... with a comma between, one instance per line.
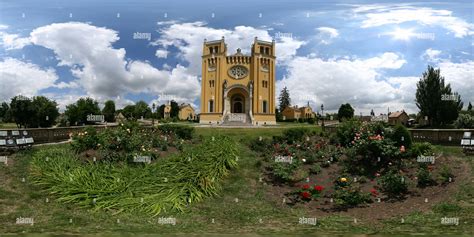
x=174, y=109
x=5, y=112
x=142, y=110
x=345, y=112
x=469, y=107
x=129, y=111
x=284, y=99
x=46, y=112
x=77, y=112
x=109, y=111
x=21, y=110
x=436, y=100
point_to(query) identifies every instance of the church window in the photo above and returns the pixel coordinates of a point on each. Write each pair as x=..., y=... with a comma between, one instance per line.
x=211, y=106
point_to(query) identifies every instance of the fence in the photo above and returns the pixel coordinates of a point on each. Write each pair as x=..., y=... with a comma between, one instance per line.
x=434, y=136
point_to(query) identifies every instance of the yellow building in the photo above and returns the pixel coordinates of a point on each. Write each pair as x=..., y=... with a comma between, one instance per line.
x=186, y=112
x=294, y=112
x=238, y=88
x=167, y=111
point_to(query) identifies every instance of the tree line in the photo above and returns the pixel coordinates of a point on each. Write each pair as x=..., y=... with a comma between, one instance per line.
x=438, y=104
x=40, y=111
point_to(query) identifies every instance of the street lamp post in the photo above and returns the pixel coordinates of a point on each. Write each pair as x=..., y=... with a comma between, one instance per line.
x=322, y=116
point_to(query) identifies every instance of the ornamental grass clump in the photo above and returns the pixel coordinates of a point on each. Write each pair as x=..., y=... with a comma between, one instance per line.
x=168, y=184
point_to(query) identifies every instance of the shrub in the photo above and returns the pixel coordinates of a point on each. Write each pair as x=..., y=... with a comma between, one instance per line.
x=307, y=193
x=424, y=177
x=401, y=136
x=350, y=196
x=445, y=174
x=284, y=171
x=394, y=184
x=181, y=131
x=347, y=130
x=295, y=134
x=260, y=145
x=422, y=148
x=315, y=169
x=311, y=120
x=464, y=121
x=85, y=140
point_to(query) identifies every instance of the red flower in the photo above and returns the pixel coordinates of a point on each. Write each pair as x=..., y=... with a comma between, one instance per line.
x=318, y=188
x=374, y=192
x=306, y=186
x=306, y=195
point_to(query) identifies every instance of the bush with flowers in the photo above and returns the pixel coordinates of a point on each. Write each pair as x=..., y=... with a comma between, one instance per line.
x=370, y=151
x=129, y=140
x=349, y=194
x=308, y=192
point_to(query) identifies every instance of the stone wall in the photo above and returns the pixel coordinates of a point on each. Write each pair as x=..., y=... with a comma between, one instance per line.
x=434, y=136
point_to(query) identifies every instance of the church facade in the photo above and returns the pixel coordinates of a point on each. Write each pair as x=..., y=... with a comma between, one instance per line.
x=238, y=88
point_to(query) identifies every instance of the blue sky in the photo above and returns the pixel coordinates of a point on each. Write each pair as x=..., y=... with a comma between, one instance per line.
x=367, y=53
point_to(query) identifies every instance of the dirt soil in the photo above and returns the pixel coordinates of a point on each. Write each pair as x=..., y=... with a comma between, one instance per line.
x=418, y=199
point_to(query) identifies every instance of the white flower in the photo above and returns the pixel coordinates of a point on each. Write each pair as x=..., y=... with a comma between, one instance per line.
x=304, y=160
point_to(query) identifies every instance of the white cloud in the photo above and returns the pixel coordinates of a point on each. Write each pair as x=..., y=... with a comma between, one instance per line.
x=379, y=15
x=12, y=41
x=188, y=38
x=431, y=55
x=103, y=70
x=461, y=78
x=356, y=81
x=161, y=53
x=18, y=77
x=326, y=34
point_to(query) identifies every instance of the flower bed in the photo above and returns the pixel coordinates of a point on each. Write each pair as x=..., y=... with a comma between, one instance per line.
x=369, y=163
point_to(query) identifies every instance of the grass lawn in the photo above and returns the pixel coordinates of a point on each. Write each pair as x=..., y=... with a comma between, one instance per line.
x=241, y=207
x=8, y=125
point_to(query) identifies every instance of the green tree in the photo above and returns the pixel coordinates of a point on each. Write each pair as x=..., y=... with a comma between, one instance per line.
x=109, y=111
x=21, y=110
x=284, y=99
x=469, y=107
x=5, y=112
x=431, y=98
x=345, y=112
x=129, y=111
x=174, y=109
x=77, y=112
x=161, y=111
x=142, y=109
x=46, y=112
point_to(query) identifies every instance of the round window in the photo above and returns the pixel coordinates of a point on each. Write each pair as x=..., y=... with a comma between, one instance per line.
x=238, y=72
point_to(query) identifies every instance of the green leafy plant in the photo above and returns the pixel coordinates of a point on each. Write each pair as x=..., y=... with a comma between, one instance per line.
x=446, y=174
x=350, y=196
x=393, y=184
x=424, y=177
